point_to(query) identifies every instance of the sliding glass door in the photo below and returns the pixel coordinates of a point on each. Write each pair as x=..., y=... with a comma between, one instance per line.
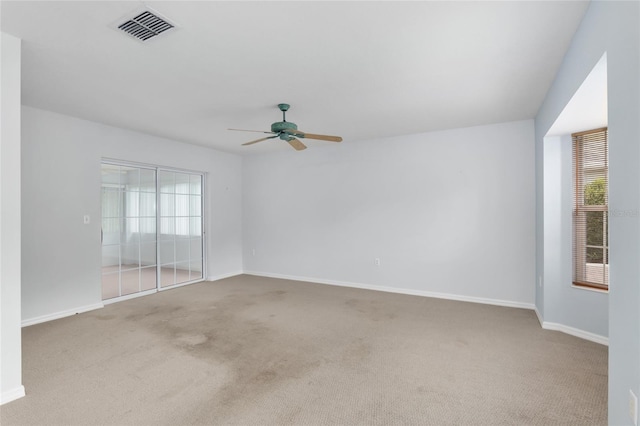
x=180, y=227
x=150, y=214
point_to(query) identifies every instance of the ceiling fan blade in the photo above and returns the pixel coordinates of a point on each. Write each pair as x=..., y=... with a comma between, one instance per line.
x=254, y=131
x=302, y=134
x=296, y=144
x=259, y=140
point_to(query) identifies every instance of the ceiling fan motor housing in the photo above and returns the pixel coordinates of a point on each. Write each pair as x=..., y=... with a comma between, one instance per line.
x=283, y=125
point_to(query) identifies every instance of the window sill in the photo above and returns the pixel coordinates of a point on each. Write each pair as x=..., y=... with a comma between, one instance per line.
x=594, y=289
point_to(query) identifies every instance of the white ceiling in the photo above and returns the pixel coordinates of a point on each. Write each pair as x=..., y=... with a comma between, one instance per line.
x=360, y=70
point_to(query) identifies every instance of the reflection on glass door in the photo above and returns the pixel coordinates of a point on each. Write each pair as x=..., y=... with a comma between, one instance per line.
x=180, y=216
x=128, y=230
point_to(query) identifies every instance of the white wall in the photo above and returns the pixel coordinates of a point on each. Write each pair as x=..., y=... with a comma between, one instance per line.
x=611, y=27
x=585, y=311
x=10, y=338
x=61, y=182
x=448, y=212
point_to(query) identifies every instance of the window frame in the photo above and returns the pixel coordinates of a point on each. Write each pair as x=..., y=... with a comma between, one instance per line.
x=580, y=245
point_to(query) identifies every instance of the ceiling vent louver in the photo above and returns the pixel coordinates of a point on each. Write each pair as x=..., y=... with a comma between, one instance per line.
x=145, y=26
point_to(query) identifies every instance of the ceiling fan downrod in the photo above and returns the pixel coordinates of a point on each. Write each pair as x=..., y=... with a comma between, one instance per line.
x=284, y=108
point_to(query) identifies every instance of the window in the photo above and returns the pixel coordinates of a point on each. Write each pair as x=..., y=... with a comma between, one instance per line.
x=590, y=216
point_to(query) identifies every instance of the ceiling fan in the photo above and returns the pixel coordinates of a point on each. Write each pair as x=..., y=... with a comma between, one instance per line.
x=288, y=132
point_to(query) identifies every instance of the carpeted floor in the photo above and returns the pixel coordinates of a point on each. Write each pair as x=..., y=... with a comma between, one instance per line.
x=249, y=350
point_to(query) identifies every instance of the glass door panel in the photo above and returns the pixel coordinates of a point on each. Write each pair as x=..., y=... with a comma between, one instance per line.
x=128, y=230
x=180, y=227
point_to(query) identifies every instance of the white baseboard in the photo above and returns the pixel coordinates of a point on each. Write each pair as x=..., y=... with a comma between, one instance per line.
x=540, y=319
x=79, y=310
x=12, y=395
x=61, y=314
x=223, y=276
x=498, y=302
x=571, y=330
x=576, y=332
x=448, y=296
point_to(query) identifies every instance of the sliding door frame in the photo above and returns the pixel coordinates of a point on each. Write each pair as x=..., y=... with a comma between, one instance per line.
x=203, y=203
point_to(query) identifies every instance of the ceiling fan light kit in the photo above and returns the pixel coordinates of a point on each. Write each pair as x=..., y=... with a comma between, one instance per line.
x=288, y=132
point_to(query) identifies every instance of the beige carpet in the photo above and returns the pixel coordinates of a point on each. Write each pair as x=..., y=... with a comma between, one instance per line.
x=249, y=350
